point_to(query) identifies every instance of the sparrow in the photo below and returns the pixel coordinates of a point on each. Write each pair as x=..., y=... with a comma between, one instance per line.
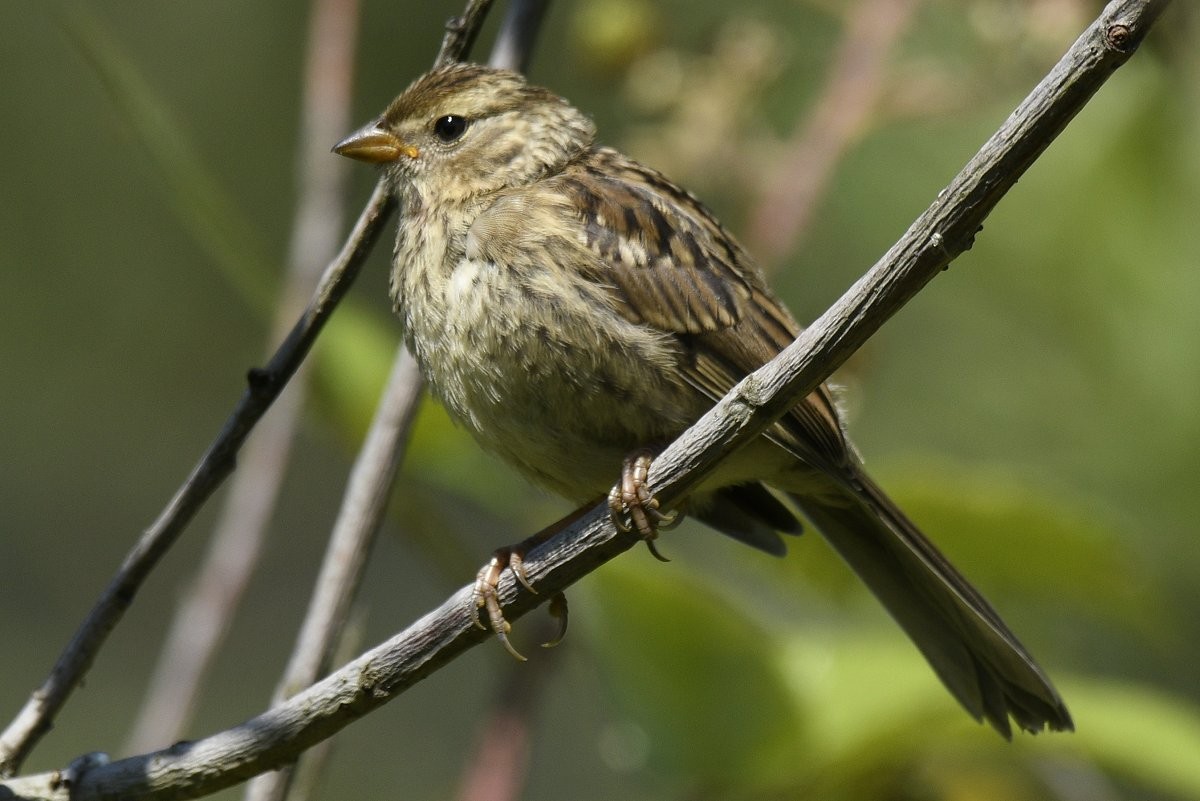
x=576, y=311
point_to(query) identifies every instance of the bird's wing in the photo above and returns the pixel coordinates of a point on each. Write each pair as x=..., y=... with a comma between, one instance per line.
x=666, y=262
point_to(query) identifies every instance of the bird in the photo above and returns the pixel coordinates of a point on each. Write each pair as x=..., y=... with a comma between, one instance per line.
x=576, y=310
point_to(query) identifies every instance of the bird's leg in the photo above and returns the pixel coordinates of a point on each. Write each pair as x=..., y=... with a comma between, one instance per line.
x=512, y=558
x=631, y=496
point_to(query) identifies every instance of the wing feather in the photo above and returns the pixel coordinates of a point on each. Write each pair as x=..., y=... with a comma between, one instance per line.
x=668, y=263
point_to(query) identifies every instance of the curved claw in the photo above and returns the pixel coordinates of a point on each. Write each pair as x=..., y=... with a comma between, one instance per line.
x=669, y=520
x=502, y=636
x=655, y=552
x=557, y=609
x=487, y=580
x=631, y=497
x=516, y=564
x=486, y=597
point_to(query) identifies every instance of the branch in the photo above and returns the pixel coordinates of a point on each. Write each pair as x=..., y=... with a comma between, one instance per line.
x=349, y=546
x=367, y=490
x=201, y=620
x=36, y=717
x=265, y=384
x=461, y=32
x=943, y=231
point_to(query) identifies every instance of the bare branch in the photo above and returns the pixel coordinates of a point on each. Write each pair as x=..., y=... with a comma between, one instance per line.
x=349, y=546
x=943, y=231
x=461, y=32
x=37, y=715
x=265, y=384
x=201, y=620
x=371, y=479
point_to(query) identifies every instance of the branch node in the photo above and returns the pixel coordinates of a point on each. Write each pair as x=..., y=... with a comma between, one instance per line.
x=751, y=395
x=456, y=25
x=260, y=380
x=80, y=765
x=1118, y=37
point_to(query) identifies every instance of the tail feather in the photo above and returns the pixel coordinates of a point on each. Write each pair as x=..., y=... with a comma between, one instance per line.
x=970, y=648
x=751, y=514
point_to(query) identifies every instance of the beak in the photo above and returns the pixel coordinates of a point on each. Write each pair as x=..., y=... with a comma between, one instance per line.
x=373, y=144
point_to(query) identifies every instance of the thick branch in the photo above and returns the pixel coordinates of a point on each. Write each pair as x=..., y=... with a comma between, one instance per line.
x=945, y=229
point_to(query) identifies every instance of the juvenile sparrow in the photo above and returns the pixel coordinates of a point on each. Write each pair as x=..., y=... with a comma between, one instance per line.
x=573, y=308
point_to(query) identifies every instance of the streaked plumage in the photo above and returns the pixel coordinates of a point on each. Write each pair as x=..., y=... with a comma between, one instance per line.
x=570, y=306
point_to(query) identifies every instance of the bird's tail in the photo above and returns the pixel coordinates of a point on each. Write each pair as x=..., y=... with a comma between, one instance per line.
x=969, y=646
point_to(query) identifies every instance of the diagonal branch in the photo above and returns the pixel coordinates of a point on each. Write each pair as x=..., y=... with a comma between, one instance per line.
x=201, y=620
x=37, y=716
x=942, y=232
x=370, y=481
x=265, y=384
x=349, y=546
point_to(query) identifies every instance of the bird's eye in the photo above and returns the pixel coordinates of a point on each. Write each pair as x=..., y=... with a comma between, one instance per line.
x=449, y=127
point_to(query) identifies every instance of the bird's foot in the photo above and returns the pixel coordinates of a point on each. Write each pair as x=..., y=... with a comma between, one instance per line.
x=631, y=497
x=486, y=596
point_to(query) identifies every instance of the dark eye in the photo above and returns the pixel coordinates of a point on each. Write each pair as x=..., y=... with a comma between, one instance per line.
x=450, y=127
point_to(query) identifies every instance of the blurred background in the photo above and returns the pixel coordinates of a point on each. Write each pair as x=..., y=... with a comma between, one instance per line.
x=1034, y=409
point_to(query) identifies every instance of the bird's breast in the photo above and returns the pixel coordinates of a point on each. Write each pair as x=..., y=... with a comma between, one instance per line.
x=534, y=361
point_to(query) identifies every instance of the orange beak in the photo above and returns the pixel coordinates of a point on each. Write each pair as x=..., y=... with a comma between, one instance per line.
x=374, y=145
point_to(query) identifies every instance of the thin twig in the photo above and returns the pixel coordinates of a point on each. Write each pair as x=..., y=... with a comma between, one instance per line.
x=461, y=32
x=856, y=79
x=942, y=232
x=309, y=770
x=203, y=616
x=349, y=546
x=265, y=384
x=366, y=492
x=37, y=715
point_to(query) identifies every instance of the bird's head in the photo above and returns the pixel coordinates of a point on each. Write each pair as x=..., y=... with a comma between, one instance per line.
x=466, y=130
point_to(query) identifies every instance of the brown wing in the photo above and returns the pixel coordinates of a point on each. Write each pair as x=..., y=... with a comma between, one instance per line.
x=668, y=263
